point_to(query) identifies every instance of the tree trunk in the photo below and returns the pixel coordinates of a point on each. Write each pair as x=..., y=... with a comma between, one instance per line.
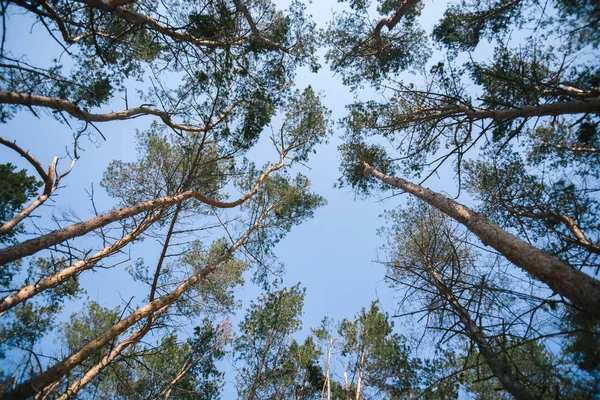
x=580, y=288
x=500, y=368
x=76, y=386
x=27, y=292
x=32, y=246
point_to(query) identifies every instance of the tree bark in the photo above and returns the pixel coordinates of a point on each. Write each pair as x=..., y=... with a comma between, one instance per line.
x=79, y=384
x=580, y=288
x=70, y=107
x=588, y=106
x=27, y=292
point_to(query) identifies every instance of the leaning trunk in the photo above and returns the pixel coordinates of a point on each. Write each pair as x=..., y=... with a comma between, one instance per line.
x=56, y=372
x=580, y=288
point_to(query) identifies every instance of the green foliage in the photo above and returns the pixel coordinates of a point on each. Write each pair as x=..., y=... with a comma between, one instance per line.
x=216, y=22
x=542, y=207
x=260, y=110
x=215, y=293
x=24, y=326
x=532, y=363
x=584, y=345
x=16, y=189
x=272, y=362
x=165, y=167
x=353, y=171
x=86, y=325
x=464, y=26
x=306, y=124
x=355, y=55
x=182, y=369
x=292, y=203
x=372, y=350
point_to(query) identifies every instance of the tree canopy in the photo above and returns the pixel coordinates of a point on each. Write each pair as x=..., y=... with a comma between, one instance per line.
x=494, y=273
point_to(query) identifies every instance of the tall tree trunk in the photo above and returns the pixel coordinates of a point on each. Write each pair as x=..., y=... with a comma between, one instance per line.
x=580, y=288
x=137, y=335
x=360, y=375
x=261, y=365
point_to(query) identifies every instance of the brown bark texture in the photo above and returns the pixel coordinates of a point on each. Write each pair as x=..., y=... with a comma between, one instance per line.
x=73, y=109
x=32, y=246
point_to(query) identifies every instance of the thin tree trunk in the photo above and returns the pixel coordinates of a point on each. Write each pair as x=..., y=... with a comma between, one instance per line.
x=75, y=387
x=580, y=288
x=32, y=246
x=500, y=368
x=140, y=333
x=327, y=385
x=360, y=375
x=261, y=364
x=166, y=393
x=57, y=371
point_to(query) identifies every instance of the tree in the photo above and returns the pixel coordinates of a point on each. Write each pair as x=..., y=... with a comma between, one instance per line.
x=376, y=359
x=532, y=93
x=171, y=368
x=234, y=63
x=445, y=277
x=18, y=187
x=274, y=364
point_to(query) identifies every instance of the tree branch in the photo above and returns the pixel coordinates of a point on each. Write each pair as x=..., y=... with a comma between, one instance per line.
x=390, y=23
x=73, y=109
x=32, y=246
x=60, y=369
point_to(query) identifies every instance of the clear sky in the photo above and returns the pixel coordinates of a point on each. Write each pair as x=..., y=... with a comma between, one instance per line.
x=332, y=254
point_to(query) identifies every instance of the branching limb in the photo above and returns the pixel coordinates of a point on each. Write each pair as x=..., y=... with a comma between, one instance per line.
x=32, y=246
x=73, y=109
x=57, y=371
x=390, y=23
x=64, y=274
